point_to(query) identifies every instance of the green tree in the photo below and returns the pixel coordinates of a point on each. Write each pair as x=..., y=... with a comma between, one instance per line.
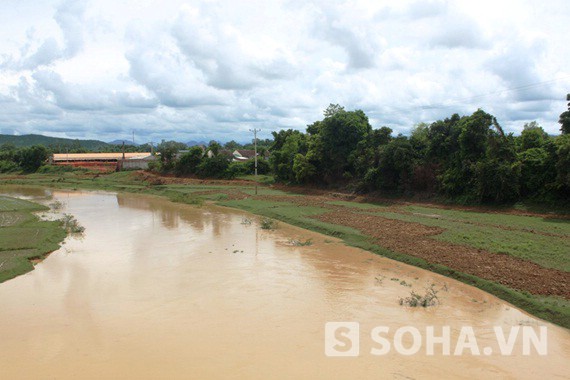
x=286, y=145
x=7, y=147
x=565, y=118
x=189, y=161
x=31, y=158
x=563, y=165
x=333, y=109
x=214, y=147
x=419, y=138
x=535, y=171
x=397, y=160
x=302, y=168
x=532, y=136
x=497, y=181
x=472, y=152
x=168, y=151
x=367, y=152
x=443, y=136
x=336, y=140
x=214, y=167
x=474, y=135
x=232, y=145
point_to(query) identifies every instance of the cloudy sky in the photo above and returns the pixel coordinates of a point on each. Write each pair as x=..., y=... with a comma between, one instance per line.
x=201, y=70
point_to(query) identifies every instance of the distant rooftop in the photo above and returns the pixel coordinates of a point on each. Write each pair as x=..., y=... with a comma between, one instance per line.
x=58, y=157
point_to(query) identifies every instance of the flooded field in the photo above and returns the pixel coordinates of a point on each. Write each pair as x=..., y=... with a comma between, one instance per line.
x=162, y=290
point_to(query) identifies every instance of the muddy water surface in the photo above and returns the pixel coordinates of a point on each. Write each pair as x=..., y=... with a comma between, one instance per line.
x=162, y=290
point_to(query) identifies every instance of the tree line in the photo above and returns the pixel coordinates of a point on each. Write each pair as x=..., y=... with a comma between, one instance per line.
x=467, y=159
x=212, y=161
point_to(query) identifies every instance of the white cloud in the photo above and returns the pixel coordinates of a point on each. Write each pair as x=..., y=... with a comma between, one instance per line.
x=99, y=69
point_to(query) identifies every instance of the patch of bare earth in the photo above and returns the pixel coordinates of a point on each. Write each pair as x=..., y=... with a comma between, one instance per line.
x=415, y=239
x=164, y=179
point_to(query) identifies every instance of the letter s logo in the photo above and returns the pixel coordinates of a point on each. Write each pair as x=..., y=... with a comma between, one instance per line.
x=342, y=339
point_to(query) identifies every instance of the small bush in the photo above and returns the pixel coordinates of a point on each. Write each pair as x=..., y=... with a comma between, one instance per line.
x=416, y=300
x=57, y=205
x=263, y=166
x=238, y=169
x=155, y=166
x=268, y=224
x=300, y=243
x=71, y=225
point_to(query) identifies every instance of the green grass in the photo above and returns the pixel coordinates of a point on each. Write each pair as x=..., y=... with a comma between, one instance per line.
x=547, y=251
x=361, y=206
x=24, y=237
x=261, y=178
x=266, y=191
x=551, y=225
x=186, y=198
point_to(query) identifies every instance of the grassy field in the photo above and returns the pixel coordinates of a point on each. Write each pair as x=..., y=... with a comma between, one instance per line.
x=540, y=239
x=23, y=237
x=509, y=234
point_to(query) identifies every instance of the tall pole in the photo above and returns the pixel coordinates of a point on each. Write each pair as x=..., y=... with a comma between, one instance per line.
x=255, y=149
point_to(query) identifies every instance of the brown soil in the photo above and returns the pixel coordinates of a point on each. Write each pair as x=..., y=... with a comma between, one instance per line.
x=415, y=239
x=161, y=179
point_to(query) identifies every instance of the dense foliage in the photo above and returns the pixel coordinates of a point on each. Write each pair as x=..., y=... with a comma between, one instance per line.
x=464, y=158
x=27, y=159
x=213, y=161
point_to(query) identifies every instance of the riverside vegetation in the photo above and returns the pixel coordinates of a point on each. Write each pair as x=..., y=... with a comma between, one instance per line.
x=25, y=238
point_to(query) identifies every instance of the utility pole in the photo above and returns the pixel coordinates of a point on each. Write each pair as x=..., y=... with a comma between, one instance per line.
x=133, y=137
x=255, y=147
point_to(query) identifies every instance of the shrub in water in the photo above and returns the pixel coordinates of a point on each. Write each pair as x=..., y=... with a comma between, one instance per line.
x=268, y=224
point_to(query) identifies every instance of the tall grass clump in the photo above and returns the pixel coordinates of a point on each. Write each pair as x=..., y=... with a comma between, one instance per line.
x=268, y=224
x=417, y=300
x=71, y=225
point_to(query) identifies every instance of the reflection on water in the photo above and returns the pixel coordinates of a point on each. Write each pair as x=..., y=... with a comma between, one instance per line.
x=163, y=290
x=25, y=192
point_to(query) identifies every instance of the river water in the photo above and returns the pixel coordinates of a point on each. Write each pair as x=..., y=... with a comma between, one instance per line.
x=161, y=290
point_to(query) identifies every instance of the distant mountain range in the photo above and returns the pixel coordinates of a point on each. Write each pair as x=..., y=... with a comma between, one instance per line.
x=59, y=142
x=29, y=140
x=194, y=143
x=120, y=142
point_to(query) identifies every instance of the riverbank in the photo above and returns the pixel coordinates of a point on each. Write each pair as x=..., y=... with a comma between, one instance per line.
x=24, y=238
x=519, y=256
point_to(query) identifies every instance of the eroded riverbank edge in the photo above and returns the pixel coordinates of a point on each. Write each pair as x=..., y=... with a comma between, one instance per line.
x=521, y=300
x=26, y=239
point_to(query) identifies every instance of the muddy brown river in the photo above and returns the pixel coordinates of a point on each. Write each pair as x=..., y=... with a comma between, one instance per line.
x=156, y=290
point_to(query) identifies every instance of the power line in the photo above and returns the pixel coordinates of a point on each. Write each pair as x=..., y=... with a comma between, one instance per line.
x=482, y=96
